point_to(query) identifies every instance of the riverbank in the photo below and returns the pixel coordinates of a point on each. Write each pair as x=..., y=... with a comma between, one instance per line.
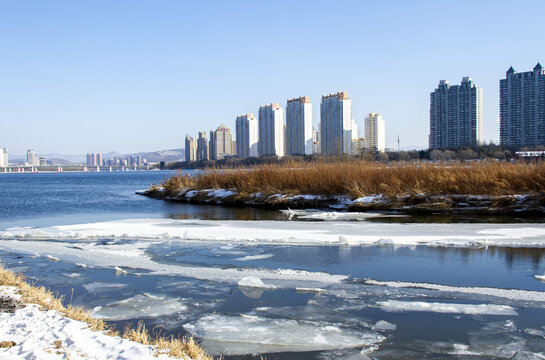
x=35, y=324
x=414, y=188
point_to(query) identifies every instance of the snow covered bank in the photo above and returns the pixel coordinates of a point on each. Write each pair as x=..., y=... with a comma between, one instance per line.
x=34, y=333
x=413, y=203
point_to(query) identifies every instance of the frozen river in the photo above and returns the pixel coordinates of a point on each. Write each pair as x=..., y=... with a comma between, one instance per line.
x=287, y=285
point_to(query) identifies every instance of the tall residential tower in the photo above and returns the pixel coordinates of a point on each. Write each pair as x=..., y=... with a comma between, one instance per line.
x=299, y=126
x=375, y=134
x=247, y=136
x=522, y=108
x=202, y=147
x=221, y=143
x=336, y=124
x=190, y=148
x=456, y=115
x=271, y=130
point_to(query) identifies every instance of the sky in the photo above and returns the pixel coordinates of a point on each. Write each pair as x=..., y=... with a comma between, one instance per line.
x=131, y=76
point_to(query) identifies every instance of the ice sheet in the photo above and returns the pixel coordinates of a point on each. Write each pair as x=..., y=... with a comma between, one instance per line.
x=132, y=255
x=512, y=294
x=296, y=233
x=447, y=308
x=249, y=334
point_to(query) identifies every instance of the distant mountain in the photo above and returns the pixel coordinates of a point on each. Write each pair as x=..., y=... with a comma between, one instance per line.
x=170, y=155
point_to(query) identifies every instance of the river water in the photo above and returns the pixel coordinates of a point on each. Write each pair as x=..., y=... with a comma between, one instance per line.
x=294, y=285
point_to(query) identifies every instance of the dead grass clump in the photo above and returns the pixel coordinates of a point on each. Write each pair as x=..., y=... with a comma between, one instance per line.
x=179, y=348
x=46, y=300
x=355, y=179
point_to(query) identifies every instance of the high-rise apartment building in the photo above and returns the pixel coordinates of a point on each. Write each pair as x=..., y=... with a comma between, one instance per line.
x=299, y=126
x=98, y=159
x=336, y=124
x=31, y=158
x=202, y=147
x=90, y=159
x=247, y=136
x=221, y=143
x=456, y=115
x=522, y=108
x=190, y=148
x=375, y=134
x=271, y=130
x=3, y=157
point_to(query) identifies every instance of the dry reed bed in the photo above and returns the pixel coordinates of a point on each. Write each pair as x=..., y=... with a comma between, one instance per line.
x=357, y=179
x=178, y=348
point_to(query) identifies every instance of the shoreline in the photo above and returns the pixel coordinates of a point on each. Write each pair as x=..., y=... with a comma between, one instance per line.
x=34, y=324
x=413, y=204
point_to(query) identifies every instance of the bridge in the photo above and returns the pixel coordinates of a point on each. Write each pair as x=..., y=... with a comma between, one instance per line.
x=70, y=168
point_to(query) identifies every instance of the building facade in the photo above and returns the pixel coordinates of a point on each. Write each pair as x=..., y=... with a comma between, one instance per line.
x=375, y=132
x=220, y=145
x=522, y=108
x=31, y=158
x=190, y=148
x=456, y=115
x=336, y=124
x=271, y=130
x=299, y=126
x=202, y=147
x=3, y=157
x=247, y=136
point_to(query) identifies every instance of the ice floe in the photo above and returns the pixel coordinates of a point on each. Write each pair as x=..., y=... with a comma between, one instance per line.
x=540, y=277
x=512, y=294
x=254, y=282
x=383, y=325
x=140, y=306
x=249, y=334
x=255, y=257
x=447, y=308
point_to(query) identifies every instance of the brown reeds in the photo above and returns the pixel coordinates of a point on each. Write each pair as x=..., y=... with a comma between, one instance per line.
x=356, y=179
x=178, y=348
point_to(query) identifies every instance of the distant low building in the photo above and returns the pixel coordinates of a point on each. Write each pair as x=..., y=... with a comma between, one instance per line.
x=3, y=157
x=357, y=146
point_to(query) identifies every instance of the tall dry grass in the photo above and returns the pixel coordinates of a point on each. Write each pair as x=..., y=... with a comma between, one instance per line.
x=367, y=178
x=179, y=348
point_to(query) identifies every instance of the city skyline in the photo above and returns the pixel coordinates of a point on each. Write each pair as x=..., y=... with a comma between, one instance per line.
x=74, y=79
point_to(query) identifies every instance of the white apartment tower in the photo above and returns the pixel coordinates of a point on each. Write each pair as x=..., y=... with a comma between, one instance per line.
x=375, y=133
x=336, y=124
x=299, y=126
x=221, y=143
x=271, y=130
x=202, y=147
x=247, y=136
x=31, y=158
x=3, y=157
x=190, y=148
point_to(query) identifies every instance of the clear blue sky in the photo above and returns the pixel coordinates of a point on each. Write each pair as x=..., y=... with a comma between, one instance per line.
x=98, y=76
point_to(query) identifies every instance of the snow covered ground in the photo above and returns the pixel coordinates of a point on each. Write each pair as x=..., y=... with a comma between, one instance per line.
x=39, y=334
